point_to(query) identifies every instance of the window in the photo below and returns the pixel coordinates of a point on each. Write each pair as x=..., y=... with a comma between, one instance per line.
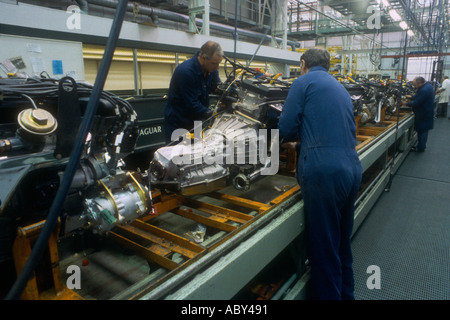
x=420, y=66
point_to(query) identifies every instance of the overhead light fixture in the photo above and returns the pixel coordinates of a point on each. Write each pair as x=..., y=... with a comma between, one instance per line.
x=394, y=15
x=403, y=25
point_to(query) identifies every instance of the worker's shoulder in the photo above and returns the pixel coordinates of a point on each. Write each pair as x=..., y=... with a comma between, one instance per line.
x=186, y=65
x=428, y=87
x=186, y=69
x=305, y=78
x=318, y=78
x=316, y=74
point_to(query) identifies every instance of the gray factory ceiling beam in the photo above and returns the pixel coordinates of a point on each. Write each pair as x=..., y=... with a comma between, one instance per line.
x=336, y=32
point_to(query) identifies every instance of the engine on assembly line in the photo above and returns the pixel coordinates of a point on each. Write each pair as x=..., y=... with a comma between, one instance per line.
x=371, y=97
x=39, y=124
x=238, y=145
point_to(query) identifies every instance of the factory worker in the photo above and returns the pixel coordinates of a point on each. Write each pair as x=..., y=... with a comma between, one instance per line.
x=444, y=92
x=318, y=112
x=190, y=86
x=422, y=104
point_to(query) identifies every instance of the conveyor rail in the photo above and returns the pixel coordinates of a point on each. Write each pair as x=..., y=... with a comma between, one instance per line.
x=160, y=244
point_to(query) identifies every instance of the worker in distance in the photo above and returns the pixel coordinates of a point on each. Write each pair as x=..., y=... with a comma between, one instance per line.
x=422, y=104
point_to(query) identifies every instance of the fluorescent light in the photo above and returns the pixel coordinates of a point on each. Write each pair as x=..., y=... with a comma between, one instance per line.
x=403, y=25
x=394, y=15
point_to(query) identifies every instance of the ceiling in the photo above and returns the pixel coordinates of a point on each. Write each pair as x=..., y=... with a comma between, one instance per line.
x=428, y=19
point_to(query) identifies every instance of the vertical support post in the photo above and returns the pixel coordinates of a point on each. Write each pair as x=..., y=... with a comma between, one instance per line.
x=22, y=247
x=136, y=72
x=279, y=22
x=22, y=250
x=199, y=7
x=206, y=19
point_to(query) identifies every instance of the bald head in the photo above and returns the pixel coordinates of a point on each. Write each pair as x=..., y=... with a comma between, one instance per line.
x=418, y=82
x=209, y=49
x=210, y=56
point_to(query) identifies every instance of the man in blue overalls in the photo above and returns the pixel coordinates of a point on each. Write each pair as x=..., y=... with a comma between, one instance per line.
x=318, y=112
x=423, y=106
x=190, y=86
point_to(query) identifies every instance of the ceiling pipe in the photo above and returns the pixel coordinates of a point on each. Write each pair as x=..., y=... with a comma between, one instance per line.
x=155, y=14
x=83, y=4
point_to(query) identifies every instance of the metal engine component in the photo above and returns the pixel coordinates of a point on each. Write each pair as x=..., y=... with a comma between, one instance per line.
x=236, y=149
x=38, y=127
x=121, y=200
x=37, y=121
x=370, y=98
x=207, y=160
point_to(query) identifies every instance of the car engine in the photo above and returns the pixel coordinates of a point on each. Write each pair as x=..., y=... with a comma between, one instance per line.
x=39, y=124
x=236, y=146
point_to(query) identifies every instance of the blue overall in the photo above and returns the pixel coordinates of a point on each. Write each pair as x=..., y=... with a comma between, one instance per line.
x=188, y=97
x=423, y=106
x=318, y=111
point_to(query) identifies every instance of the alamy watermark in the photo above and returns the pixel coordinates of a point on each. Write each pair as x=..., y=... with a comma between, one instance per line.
x=74, y=20
x=374, y=20
x=374, y=280
x=74, y=280
x=246, y=146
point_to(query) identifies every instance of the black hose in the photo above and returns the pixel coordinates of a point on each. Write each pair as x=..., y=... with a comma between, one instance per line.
x=55, y=210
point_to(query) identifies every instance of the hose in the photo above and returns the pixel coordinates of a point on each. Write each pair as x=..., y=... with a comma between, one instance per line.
x=72, y=166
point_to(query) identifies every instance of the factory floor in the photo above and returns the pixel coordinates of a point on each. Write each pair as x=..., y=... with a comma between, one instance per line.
x=402, y=249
